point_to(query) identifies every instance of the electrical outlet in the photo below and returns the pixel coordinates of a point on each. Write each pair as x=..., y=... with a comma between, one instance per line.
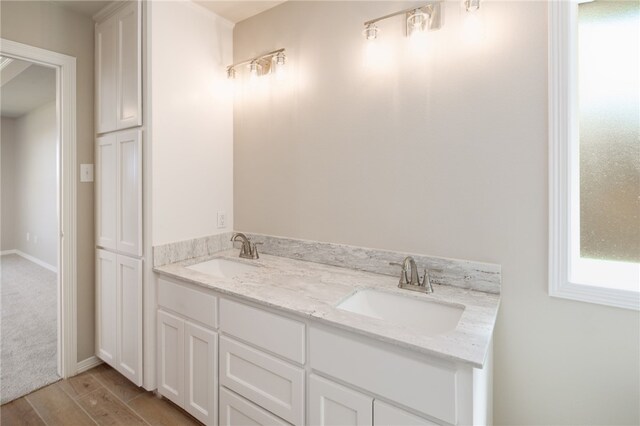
x=222, y=220
x=28, y=236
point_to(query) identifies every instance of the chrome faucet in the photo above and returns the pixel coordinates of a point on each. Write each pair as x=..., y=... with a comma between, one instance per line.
x=409, y=278
x=249, y=249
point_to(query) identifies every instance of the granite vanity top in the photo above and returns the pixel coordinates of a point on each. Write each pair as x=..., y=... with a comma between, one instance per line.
x=312, y=290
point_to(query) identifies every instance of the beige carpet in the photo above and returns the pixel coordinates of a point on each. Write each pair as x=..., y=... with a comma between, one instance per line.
x=28, y=327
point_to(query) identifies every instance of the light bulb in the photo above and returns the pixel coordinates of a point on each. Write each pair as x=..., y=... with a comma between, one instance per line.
x=254, y=69
x=416, y=22
x=371, y=32
x=280, y=62
x=471, y=5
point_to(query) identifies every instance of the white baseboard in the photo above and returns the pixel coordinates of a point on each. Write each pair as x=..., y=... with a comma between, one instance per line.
x=31, y=259
x=88, y=364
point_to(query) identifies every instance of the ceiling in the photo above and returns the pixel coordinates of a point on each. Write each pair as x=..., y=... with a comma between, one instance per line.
x=238, y=10
x=25, y=87
x=87, y=8
x=234, y=11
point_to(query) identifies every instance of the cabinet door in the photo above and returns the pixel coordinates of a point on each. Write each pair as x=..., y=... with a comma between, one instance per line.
x=333, y=404
x=171, y=357
x=106, y=75
x=106, y=271
x=388, y=415
x=237, y=411
x=106, y=192
x=129, y=192
x=129, y=94
x=201, y=366
x=129, y=318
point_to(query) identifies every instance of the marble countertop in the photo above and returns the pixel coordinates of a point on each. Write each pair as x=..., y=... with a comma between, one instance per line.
x=312, y=290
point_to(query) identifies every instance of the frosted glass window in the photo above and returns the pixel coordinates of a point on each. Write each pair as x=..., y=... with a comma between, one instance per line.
x=609, y=129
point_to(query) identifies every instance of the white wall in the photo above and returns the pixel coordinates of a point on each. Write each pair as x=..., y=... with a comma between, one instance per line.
x=32, y=184
x=7, y=202
x=48, y=25
x=191, y=121
x=442, y=154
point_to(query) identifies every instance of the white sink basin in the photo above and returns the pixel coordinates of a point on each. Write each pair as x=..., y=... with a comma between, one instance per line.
x=429, y=317
x=222, y=268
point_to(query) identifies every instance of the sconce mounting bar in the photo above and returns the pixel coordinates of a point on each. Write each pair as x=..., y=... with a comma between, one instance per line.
x=402, y=12
x=257, y=58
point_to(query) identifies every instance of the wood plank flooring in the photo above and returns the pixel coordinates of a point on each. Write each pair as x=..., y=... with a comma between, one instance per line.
x=100, y=396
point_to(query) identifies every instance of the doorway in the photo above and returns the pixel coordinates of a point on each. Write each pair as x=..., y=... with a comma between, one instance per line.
x=29, y=237
x=37, y=233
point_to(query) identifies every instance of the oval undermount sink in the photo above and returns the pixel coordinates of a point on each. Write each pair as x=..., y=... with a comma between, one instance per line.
x=222, y=268
x=430, y=317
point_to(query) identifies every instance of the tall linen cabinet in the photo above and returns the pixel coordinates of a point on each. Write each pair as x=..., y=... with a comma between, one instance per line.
x=118, y=188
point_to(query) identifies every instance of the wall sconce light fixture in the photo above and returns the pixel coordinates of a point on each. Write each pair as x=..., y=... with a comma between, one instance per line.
x=418, y=20
x=260, y=65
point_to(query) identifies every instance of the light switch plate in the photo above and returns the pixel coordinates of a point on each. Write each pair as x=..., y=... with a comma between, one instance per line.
x=86, y=172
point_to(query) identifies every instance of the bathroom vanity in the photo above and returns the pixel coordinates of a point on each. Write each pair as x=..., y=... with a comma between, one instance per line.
x=283, y=341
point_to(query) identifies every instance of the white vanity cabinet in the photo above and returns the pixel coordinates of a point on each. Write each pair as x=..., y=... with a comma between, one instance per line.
x=118, y=59
x=188, y=349
x=269, y=367
x=119, y=313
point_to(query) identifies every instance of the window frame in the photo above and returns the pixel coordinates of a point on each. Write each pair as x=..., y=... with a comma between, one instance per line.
x=564, y=165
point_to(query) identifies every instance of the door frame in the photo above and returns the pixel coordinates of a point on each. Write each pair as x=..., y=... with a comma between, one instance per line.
x=65, y=67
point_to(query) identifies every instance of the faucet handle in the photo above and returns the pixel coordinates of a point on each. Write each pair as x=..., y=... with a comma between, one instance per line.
x=254, y=250
x=425, y=282
x=422, y=280
x=403, y=274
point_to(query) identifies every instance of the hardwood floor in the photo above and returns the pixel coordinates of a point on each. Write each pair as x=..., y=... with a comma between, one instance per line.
x=100, y=396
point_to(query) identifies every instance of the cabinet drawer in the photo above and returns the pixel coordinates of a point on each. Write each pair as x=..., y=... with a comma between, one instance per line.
x=426, y=386
x=261, y=378
x=192, y=304
x=237, y=411
x=280, y=335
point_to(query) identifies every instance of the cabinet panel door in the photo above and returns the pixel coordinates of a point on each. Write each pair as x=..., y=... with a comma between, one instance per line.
x=388, y=415
x=201, y=356
x=129, y=193
x=129, y=94
x=331, y=404
x=129, y=318
x=106, y=191
x=106, y=75
x=237, y=411
x=171, y=357
x=106, y=271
